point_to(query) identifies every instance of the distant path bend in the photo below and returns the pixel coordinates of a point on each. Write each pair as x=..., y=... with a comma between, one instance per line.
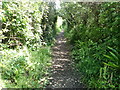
x=63, y=74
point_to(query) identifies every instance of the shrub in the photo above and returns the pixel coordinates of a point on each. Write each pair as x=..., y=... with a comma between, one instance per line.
x=27, y=69
x=91, y=29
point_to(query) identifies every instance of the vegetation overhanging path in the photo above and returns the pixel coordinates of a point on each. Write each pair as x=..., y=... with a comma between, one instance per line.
x=63, y=74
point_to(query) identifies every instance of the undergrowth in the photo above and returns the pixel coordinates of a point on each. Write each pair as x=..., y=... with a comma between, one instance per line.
x=24, y=68
x=93, y=31
x=28, y=30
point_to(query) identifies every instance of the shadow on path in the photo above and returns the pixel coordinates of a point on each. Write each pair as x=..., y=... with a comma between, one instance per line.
x=63, y=74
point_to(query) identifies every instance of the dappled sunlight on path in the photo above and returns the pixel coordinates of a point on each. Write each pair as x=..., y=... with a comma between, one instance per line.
x=63, y=74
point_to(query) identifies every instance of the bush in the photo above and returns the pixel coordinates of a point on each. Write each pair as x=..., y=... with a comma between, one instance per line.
x=27, y=29
x=91, y=29
x=27, y=69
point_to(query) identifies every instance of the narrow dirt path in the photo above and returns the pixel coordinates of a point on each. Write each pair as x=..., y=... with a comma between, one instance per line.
x=63, y=74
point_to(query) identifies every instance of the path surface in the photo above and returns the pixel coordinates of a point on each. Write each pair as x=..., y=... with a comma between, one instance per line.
x=63, y=74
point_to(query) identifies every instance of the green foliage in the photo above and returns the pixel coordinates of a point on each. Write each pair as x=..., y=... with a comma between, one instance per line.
x=92, y=29
x=24, y=24
x=48, y=23
x=114, y=59
x=27, y=69
x=21, y=24
x=27, y=29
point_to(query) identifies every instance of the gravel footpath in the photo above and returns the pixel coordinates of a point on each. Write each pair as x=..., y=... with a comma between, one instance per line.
x=63, y=74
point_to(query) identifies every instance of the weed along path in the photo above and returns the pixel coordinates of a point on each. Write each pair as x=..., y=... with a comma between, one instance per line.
x=63, y=74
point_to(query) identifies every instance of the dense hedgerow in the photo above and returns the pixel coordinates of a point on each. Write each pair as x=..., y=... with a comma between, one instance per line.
x=24, y=54
x=93, y=30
